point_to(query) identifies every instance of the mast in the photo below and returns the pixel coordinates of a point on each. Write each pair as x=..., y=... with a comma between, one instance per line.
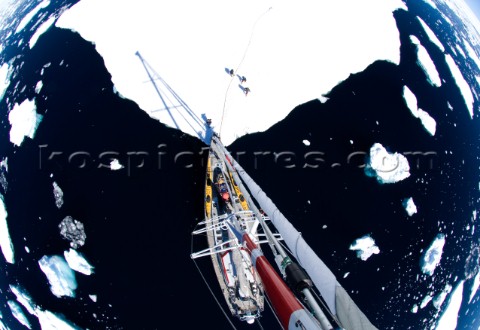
x=290, y=312
x=296, y=277
x=336, y=298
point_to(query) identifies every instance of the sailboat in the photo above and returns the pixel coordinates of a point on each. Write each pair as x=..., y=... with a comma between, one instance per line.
x=292, y=290
x=304, y=293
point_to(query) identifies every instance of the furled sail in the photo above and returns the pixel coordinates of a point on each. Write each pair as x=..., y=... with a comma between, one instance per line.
x=335, y=296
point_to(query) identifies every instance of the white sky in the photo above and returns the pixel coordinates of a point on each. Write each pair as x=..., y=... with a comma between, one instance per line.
x=288, y=54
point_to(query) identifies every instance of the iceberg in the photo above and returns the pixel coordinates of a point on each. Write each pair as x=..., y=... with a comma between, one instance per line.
x=73, y=231
x=77, y=262
x=386, y=167
x=433, y=255
x=409, y=206
x=266, y=51
x=365, y=247
x=60, y=276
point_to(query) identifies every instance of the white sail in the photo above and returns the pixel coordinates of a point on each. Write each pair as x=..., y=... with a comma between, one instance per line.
x=336, y=298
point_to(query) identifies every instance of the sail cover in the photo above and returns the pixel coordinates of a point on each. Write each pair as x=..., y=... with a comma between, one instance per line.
x=335, y=296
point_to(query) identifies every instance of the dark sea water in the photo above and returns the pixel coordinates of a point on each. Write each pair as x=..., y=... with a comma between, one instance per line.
x=138, y=220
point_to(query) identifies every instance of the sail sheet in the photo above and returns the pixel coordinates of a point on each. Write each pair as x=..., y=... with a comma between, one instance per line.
x=335, y=296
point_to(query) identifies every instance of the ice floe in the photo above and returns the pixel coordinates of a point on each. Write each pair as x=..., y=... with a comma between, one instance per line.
x=409, y=206
x=386, y=167
x=58, y=195
x=24, y=121
x=475, y=286
x=432, y=256
x=115, y=165
x=4, y=79
x=17, y=313
x=77, y=262
x=59, y=274
x=27, y=18
x=461, y=83
x=431, y=35
x=448, y=320
x=365, y=247
x=426, y=63
x=41, y=30
x=427, y=121
x=73, y=230
x=471, y=53
x=5, y=241
x=47, y=319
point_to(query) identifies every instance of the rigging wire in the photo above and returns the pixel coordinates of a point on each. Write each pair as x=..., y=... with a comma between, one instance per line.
x=238, y=67
x=209, y=288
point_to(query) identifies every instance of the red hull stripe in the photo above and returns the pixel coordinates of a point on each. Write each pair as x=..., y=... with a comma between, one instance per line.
x=283, y=300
